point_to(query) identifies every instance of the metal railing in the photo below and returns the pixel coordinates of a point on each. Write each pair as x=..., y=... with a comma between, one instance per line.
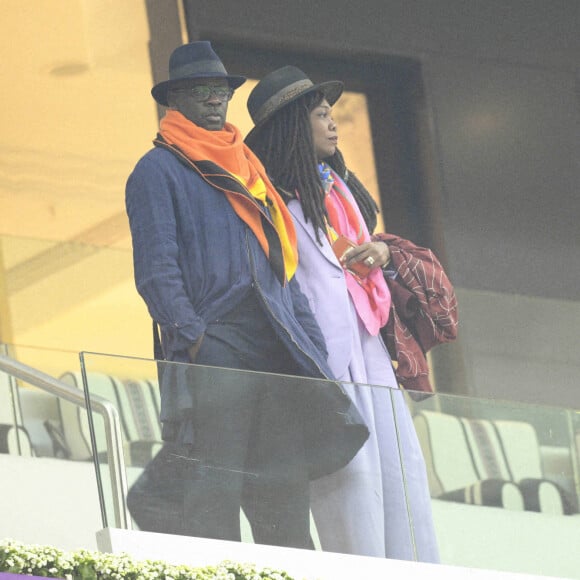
x=100, y=405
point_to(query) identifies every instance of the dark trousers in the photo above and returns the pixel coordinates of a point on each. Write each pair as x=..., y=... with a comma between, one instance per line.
x=248, y=445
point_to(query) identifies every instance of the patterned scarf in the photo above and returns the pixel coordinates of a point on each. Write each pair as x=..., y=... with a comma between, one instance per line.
x=371, y=296
x=226, y=148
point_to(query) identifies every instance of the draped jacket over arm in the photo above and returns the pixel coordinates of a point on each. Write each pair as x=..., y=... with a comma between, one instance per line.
x=423, y=311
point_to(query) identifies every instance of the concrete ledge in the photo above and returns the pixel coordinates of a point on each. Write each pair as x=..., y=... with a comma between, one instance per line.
x=301, y=564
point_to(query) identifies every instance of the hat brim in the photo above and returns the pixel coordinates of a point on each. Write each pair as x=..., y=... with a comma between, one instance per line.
x=160, y=90
x=332, y=90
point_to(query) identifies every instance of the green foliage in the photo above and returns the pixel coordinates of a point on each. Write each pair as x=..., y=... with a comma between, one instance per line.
x=46, y=561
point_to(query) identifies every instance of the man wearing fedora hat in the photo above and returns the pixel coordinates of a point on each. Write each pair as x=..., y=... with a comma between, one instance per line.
x=215, y=256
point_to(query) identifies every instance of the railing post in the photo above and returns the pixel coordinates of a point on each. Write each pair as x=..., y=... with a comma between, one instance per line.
x=116, y=460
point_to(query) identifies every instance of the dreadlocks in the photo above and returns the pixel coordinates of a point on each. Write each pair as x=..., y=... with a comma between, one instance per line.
x=284, y=145
x=367, y=205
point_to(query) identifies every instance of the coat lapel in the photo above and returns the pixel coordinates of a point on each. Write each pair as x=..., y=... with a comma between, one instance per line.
x=307, y=228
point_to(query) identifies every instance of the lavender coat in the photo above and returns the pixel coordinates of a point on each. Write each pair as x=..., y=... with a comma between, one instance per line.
x=363, y=509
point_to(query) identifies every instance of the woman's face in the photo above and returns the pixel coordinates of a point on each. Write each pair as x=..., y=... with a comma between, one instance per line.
x=324, y=134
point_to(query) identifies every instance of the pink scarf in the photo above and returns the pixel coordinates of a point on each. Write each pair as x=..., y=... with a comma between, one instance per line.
x=371, y=297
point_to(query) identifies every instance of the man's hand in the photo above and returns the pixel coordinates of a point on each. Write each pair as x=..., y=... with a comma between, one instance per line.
x=194, y=349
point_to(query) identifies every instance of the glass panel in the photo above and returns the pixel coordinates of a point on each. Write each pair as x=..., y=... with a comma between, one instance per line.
x=9, y=412
x=503, y=478
x=504, y=482
x=254, y=440
x=38, y=414
x=47, y=419
x=49, y=492
x=500, y=488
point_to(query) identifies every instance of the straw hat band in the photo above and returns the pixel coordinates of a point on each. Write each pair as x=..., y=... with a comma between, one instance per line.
x=278, y=100
x=199, y=67
x=279, y=90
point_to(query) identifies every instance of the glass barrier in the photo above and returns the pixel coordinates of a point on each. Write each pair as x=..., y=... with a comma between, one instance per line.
x=504, y=482
x=242, y=450
x=12, y=435
x=503, y=479
x=486, y=484
x=37, y=414
x=49, y=490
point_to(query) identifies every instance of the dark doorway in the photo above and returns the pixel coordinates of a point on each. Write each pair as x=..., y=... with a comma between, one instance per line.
x=396, y=104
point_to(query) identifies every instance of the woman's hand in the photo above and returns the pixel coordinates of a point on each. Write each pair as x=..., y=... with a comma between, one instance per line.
x=371, y=254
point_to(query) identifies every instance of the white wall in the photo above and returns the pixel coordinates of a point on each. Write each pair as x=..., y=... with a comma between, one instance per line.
x=521, y=348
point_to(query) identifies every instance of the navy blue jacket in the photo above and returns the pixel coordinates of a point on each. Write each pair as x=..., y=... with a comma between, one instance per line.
x=195, y=259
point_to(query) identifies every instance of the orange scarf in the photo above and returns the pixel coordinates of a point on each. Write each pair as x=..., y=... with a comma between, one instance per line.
x=226, y=148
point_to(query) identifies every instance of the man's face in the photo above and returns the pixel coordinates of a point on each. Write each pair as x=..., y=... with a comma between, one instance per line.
x=192, y=100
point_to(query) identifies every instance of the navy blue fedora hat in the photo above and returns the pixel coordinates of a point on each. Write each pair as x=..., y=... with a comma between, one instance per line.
x=196, y=60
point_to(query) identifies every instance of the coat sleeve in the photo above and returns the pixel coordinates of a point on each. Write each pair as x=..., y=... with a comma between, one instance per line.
x=158, y=276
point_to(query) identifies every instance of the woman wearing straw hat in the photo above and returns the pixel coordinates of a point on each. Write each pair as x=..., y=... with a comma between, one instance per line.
x=379, y=504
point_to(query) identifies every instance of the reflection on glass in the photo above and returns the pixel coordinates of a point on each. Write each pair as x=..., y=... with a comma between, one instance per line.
x=503, y=477
x=504, y=482
x=195, y=482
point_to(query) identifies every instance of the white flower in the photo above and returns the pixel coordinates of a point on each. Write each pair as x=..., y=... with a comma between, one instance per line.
x=16, y=557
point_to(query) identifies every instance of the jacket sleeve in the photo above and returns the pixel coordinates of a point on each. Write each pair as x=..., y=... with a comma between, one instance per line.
x=419, y=272
x=306, y=318
x=158, y=276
